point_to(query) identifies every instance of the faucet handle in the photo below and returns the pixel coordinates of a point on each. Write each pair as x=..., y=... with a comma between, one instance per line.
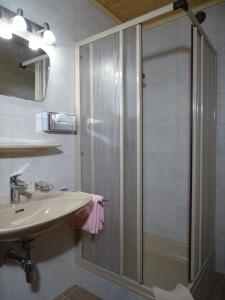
x=14, y=177
x=18, y=182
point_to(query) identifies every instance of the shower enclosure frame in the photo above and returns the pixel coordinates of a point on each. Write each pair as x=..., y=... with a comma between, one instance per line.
x=132, y=285
x=198, y=99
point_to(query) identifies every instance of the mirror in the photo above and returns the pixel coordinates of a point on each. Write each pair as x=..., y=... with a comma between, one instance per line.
x=23, y=72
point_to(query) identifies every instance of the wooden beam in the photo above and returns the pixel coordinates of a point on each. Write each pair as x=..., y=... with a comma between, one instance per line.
x=106, y=11
x=112, y=10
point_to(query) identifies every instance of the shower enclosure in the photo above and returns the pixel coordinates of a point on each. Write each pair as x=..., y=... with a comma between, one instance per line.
x=145, y=100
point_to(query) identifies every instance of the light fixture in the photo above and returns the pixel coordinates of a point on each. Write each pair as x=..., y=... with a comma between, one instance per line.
x=5, y=31
x=48, y=35
x=34, y=44
x=18, y=22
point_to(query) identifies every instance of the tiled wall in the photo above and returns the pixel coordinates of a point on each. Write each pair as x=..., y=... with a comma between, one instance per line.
x=166, y=119
x=215, y=28
x=54, y=252
x=71, y=22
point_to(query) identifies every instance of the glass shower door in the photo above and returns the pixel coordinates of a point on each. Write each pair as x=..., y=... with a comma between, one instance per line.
x=110, y=112
x=100, y=145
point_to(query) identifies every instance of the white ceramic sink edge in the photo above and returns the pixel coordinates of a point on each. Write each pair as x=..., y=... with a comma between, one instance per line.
x=42, y=212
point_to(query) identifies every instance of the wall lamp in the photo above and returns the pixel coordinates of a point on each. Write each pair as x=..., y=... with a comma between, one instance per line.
x=18, y=22
x=5, y=31
x=11, y=23
x=48, y=35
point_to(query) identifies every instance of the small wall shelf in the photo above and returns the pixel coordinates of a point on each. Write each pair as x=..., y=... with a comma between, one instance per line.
x=17, y=145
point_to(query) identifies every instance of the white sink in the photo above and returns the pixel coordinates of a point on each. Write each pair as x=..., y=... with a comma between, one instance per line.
x=42, y=212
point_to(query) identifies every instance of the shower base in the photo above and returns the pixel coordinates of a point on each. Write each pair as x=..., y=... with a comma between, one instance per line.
x=165, y=262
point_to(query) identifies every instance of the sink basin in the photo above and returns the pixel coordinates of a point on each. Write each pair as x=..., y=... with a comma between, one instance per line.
x=42, y=212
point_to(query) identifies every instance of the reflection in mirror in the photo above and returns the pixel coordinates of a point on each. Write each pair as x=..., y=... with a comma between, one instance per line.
x=23, y=72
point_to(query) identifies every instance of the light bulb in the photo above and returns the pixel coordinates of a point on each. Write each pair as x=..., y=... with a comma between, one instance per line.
x=5, y=31
x=48, y=35
x=34, y=45
x=18, y=22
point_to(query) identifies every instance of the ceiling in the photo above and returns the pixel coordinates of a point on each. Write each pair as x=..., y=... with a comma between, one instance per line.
x=125, y=10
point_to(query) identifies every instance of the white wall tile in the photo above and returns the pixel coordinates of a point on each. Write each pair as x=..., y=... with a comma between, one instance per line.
x=220, y=168
x=160, y=139
x=221, y=108
x=220, y=78
x=154, y=62
x=184, y=139
x=220, y=200
x=160, y=111
x=5, y=173
x=220, y=142
x=184, y=110
x=5, y=125
x=166, y=120
x=157, y=87
x=182, y=223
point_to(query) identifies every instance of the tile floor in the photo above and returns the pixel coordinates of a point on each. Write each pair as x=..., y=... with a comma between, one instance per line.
x=77, y=293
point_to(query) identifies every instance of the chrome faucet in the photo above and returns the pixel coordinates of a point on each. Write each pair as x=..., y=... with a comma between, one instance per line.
x=17, y=186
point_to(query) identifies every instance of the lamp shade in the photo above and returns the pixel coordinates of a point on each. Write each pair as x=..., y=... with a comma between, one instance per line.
x=18, y=22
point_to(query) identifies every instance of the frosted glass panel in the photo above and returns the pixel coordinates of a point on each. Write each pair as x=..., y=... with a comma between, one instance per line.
x=100, y=128
x=196, y=207
x=208, y=154
x=86, y=113
x=203, y=169
x=109, y=147
x=130, y=154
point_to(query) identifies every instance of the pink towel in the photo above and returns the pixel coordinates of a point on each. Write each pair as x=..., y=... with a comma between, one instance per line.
x=91, y=217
